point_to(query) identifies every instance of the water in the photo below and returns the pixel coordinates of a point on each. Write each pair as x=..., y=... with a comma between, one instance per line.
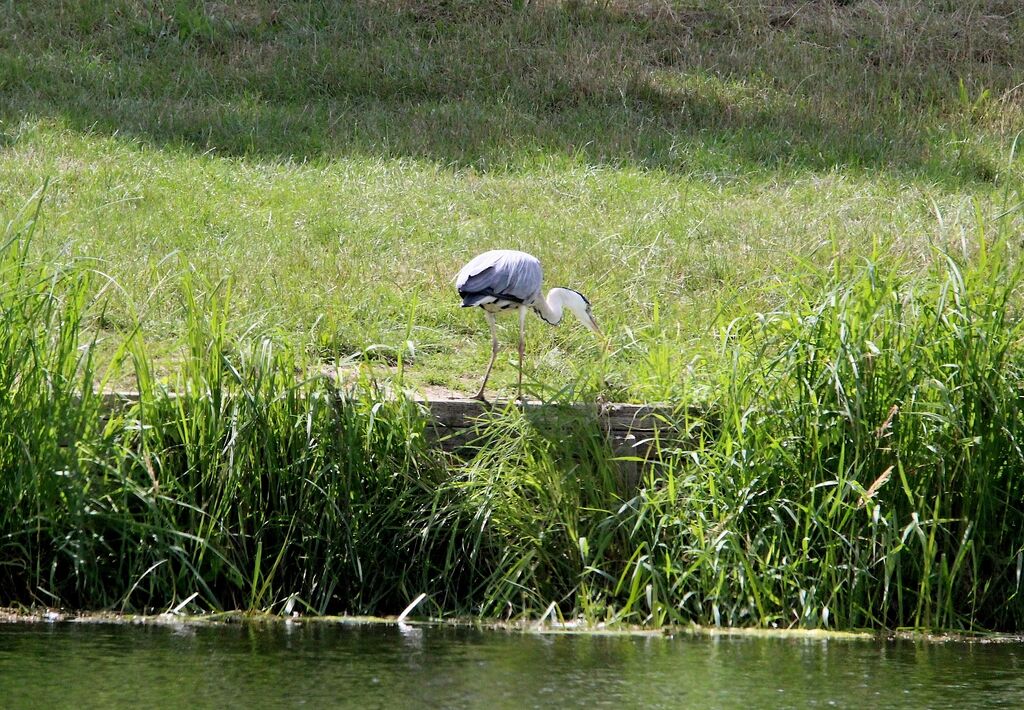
x=379, y=666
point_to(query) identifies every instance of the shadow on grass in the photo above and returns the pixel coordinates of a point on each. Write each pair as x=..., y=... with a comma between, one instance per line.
x=469, y=83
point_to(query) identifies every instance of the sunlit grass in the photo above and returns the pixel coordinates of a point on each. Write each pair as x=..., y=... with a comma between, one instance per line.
x=801, y=221
x=334, y=162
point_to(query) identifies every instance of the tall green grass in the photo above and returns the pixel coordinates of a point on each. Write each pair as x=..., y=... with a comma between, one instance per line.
x=268, y=490
x=859, y=465
x=867, y=468
x=234, y=485
x=49, y=418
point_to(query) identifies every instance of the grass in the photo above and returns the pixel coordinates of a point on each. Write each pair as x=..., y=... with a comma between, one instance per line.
x=201, y=495
x=334, y=162
x=859, y=468
x=804, y=218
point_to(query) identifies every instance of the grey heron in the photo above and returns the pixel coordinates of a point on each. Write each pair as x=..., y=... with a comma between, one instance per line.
x=504, y=280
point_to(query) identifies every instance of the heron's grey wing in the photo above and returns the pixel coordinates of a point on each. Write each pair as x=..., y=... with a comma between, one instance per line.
x=524, y=275
x=508, y=275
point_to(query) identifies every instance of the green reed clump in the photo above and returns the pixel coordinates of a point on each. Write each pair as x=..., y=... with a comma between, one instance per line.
x=514, y=529
x=236, y=484
x=867, y=469
x=256, y=489
x=44, y=413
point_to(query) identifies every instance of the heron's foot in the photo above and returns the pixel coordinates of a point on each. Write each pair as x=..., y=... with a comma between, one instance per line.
x=479, y=397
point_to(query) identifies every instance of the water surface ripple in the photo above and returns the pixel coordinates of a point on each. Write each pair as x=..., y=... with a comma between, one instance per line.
x=379, y=666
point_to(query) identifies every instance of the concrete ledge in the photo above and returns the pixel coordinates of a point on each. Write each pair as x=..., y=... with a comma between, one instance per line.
x=630, y=429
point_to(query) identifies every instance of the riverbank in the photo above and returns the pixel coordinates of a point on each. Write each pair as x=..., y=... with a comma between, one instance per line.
x=50, y=616
x=802, y=218
x=860, y=473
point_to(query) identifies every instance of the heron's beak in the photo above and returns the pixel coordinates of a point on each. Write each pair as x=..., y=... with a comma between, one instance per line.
x=592, y=324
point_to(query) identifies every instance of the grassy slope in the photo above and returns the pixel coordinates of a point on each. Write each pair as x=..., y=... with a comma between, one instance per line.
x=674, y=163
x=864, y=468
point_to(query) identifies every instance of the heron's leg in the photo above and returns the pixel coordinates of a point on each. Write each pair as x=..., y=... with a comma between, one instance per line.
x=522, y=347
x=494, y=355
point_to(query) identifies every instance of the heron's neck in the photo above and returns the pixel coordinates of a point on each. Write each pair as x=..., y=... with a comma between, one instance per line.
x=551, y=308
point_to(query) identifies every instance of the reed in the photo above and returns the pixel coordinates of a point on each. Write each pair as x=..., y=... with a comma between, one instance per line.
x=859, y=465
x=866, y=464
x=234, y=485
x=48, y=421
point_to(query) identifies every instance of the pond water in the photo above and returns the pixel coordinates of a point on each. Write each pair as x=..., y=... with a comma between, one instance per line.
x=383, y=666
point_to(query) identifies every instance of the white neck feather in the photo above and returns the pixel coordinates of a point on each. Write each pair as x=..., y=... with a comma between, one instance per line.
x=552, y=307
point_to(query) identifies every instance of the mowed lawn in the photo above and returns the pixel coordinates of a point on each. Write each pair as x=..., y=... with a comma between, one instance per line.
x=328, y=167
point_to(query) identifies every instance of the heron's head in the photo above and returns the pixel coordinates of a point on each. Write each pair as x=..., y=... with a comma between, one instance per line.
x=580, y=307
